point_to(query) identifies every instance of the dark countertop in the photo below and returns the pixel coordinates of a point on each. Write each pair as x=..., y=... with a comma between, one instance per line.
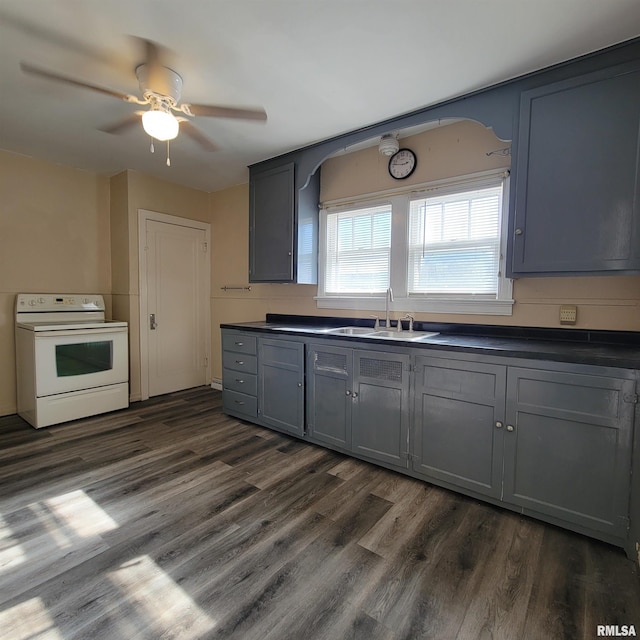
x=601, y=348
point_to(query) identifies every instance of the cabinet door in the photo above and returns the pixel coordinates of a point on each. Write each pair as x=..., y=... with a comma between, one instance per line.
x=271, y=225
x=281, y=385
x=380, y=407
x=568, y=446
x=576, y=203
x=329, y=395
x=458, y=429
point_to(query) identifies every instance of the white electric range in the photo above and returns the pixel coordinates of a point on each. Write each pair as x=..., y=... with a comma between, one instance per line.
x=70, y=361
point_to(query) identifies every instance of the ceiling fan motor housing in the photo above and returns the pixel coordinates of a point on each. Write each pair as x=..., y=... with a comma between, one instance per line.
x=165, y=83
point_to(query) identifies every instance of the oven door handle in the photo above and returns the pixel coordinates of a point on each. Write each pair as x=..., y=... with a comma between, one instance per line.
x=79, y=332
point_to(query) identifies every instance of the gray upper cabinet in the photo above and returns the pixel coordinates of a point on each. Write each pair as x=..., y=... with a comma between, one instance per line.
x=577, y=205
x=283, y=226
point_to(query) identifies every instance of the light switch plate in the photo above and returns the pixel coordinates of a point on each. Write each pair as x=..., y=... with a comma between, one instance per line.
x=568, y=314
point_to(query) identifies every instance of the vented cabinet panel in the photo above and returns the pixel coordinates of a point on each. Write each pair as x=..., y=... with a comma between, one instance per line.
x=329, y=396
x=380, y=412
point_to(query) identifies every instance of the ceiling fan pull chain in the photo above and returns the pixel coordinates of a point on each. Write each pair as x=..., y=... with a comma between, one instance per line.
x=152, y=147
x=168, y=159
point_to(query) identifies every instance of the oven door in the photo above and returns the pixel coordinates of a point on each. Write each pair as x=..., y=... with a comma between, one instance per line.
x=76, y=359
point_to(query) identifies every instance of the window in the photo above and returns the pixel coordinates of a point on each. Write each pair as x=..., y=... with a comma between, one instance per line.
x=440, y=248
x=454, y=243
x=358, y=250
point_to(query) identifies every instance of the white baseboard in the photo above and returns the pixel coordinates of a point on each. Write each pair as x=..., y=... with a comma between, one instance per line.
x=216, y=383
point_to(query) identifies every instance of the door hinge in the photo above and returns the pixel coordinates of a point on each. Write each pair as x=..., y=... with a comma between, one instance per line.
x=205, y=246
x=632, y=398
x=206, y=361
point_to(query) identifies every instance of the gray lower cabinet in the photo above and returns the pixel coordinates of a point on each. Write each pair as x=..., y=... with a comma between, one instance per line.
x=552, y=440
x=281, y=385
x=457, y=405
x=358, y=401
x=568, y=446
x=329, y=389
x=239, y=374
x=556, y=443
x=380, y=410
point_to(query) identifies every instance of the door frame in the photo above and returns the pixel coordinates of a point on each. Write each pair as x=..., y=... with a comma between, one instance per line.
x=143, y=216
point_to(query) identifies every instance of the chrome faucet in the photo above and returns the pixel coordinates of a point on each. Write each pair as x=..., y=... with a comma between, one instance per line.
x=410, y=318
x=388, y=299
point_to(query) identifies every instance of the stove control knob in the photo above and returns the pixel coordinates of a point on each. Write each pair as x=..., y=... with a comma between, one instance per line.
x=32, y=302
x=41, y=300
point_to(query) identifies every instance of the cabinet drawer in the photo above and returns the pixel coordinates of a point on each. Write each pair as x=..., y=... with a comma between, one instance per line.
x=240, y=362
x=239, y=342
x=246, y=383
x=240, y=403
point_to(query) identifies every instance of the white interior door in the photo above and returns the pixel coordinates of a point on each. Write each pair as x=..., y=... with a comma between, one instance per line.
x=177, y=305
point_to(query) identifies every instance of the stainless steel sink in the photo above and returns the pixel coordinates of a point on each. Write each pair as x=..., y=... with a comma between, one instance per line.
x=351, y=331
x=410, y=336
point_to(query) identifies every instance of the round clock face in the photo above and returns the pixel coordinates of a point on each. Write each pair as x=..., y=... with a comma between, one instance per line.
x=402, y=164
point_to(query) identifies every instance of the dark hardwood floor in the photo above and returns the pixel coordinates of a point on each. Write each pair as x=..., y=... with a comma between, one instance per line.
x=172, y=520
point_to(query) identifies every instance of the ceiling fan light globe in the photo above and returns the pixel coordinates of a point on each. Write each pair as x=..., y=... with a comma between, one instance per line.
x=160, y=125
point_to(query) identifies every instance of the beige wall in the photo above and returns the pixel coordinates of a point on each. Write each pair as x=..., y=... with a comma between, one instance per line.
x=611, y=302
x=68, y=230
x=54, y=238
x=131, y=191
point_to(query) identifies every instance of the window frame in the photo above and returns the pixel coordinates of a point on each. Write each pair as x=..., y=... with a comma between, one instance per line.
x=400, y=199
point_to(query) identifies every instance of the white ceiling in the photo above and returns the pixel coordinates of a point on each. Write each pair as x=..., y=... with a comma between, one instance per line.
x=318, y=67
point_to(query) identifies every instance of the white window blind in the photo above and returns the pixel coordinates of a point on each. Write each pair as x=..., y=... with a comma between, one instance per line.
x=358, y=246
x=454, y=244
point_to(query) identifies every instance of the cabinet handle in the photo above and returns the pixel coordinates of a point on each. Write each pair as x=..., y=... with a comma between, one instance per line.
x=354, y=394
x=299, y=384
x=348, y=393
x=518, y=232
x=239, y=343
x=498, y=425
x=289, y=252
x=239, y=381
x=239, y=401
x=510, y=427
x=239, y=361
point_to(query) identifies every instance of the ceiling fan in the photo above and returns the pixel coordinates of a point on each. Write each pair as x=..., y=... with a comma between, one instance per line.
x=161, y=89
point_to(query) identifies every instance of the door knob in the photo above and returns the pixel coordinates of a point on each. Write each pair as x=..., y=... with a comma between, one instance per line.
x=499, y=425
x=510, y=427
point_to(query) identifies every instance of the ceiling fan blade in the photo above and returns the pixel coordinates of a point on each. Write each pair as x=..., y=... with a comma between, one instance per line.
x=56, y=38
x=213, y=111
x=123, y=125
x=195, y=134
x=155, y=69
x=49, y=75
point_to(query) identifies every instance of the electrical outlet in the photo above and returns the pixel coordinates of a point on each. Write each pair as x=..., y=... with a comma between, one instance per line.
x=568, y=314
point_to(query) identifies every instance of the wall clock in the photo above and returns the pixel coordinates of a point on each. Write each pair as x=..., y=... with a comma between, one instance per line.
x=402, y=164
